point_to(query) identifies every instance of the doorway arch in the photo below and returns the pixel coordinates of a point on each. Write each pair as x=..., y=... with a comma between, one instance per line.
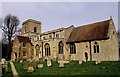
x=86, y=56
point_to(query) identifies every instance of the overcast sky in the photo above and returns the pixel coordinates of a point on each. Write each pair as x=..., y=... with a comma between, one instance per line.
x=55, y=15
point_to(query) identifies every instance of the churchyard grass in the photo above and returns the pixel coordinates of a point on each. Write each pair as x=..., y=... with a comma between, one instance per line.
x=74, y=68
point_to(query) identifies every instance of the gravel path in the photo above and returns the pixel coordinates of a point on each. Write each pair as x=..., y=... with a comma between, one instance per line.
x=15, y=74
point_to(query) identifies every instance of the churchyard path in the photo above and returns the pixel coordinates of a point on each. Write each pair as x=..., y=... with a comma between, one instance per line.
x=15, y=74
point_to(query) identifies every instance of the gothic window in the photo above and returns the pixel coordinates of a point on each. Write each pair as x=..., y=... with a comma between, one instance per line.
x=44, y=38
x=60, y=46
x=24, y=44
x=113, y=32
x=72, y=48
x=25, y=30
x=96, y=48
x=24, y=53
x=35, y=29
x=47, y=49
x=40, y=37
x=57, y=35
x=37, y=38
x=50, y=36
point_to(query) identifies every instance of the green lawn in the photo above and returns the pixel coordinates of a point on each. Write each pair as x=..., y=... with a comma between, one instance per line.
x=73, y=68
x=9, y=73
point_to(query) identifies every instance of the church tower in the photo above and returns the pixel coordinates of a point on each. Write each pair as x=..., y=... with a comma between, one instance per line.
x=31, y=28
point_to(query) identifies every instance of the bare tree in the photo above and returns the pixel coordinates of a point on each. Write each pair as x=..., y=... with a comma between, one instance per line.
x=9, y=27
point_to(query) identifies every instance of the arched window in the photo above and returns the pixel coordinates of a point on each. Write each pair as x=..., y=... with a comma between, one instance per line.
x=24, y=53
x=35, y=29
x=72, y=48
x=25, y=30
x=60, y=46
x=37, y=50
x=47, y=49
x=96, y=48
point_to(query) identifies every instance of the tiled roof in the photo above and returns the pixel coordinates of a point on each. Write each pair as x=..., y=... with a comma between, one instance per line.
x=95, y=31
x=24, y=39
x=31, y=20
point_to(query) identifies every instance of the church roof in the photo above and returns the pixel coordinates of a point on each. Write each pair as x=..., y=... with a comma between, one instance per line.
x=24, y=39
x=95, y=31
x=31, y=20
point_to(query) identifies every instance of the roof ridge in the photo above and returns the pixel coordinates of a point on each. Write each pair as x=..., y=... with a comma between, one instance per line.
x=94, y=23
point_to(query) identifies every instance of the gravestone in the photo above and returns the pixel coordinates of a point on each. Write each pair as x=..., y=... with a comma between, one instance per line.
x=97, y=62
x=30, y=69
x=40, y=65
x=80, y=62
x=49, y=63
x=61, y=64
x=3, y=61
x=4, y=65
x=21, y=61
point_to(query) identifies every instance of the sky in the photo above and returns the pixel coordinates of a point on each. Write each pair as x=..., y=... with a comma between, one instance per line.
x=55, y=15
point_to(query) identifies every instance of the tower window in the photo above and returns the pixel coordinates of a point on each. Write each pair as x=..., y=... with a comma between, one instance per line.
x=50, y=36
x=44, y=38
x=25, y=30
x=35, y=29
x=24, y=44
x=57, y=35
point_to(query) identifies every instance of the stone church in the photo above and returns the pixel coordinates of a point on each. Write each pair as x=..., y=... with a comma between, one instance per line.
x=92, y=42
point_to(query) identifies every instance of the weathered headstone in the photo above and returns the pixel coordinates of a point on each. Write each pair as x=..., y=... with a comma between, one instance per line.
x=61, y=64
x=3, y=61
x=49, y=63
x=80, y=62
x=40, y=65
x=97, y=62
x=21, y=61
x=30, y=69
